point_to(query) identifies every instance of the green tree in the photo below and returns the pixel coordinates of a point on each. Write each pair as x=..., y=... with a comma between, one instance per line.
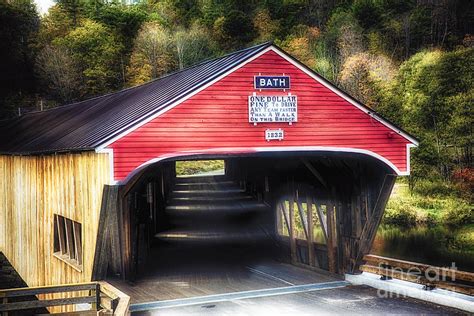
x=234, y=30
x=210, y=12
x=341, y=38
x=19, y=24
x=435, y=89
x=461, y=127
x=186, y=10
x=97, y=52
x=301, y=44
x=73, y=8
x=124, y=20
x=56, y=23
x=367, y=12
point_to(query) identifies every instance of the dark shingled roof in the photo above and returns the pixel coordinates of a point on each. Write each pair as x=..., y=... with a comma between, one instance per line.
x=87, y=124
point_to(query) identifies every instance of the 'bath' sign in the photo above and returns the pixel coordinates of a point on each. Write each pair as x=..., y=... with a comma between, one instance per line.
x=272, y=82
x=273, y=108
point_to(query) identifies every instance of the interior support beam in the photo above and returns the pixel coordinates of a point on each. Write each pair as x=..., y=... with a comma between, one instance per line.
x=314, y=172
x=310, y=237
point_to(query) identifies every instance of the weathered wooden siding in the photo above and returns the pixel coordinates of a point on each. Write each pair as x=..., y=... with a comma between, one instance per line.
x=217, y=117
x=32, y=189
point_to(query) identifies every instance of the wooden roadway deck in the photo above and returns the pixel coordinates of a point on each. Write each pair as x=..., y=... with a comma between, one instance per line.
x=214, y=274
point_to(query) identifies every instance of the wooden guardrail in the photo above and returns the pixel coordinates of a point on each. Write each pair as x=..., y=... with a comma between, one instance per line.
x=430, y=276
x=103, y=297
x=119, y=301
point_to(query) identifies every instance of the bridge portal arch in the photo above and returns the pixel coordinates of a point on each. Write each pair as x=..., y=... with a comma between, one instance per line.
x=340, y=194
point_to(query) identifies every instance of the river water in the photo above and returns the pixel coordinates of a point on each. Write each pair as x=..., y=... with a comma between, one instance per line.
x=434, y=245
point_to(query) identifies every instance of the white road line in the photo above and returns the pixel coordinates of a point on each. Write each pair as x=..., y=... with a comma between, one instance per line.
x=269, y=275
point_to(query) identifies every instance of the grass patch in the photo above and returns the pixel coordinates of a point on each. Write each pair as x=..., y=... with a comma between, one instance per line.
x=430, y=204
x=459, y=214
x=192, y=167
x=436, y=188
x=464, y=239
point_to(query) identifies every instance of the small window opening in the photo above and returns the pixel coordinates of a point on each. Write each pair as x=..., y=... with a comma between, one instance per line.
x=200, y=167
x=68, y=241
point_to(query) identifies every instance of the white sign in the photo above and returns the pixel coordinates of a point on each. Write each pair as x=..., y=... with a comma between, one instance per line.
x=274, y=134
x=273, y=108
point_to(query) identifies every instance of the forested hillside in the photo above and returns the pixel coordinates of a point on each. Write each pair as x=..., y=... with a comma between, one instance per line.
x=411, y=60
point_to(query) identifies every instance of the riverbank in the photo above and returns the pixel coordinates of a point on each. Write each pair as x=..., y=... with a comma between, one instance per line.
x=434, y=227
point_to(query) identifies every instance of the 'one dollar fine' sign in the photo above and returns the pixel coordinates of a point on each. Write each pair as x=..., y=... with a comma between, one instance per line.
x=272, y=108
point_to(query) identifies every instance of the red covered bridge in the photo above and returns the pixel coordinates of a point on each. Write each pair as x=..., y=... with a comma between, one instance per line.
x=308, y=170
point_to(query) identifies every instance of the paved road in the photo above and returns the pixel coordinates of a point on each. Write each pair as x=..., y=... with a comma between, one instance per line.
x=351, y=300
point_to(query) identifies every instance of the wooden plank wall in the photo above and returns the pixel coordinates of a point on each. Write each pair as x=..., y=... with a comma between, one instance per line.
x=32, y=189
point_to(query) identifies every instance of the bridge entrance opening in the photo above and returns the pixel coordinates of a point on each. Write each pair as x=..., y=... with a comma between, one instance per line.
x=255, y=221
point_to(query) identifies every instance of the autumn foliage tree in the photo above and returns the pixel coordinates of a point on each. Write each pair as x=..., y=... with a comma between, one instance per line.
x=366, y=75
x=59, y=73
x=152, y=54
x=192, y=45
x=266, y=27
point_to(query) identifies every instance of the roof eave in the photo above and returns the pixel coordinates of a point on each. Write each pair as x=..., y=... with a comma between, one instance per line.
x=46, y=152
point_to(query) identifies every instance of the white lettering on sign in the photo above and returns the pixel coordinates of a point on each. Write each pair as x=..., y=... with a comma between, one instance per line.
x=274, y=134
x=272, y=82
x=272, y=108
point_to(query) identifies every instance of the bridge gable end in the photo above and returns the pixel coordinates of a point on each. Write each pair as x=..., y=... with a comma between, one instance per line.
x=216, y=120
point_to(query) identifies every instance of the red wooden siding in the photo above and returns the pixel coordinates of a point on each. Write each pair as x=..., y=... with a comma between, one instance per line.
x=217, y=117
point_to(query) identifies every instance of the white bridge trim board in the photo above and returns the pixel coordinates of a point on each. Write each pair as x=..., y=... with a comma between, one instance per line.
x=253, y=150
x=413, y=290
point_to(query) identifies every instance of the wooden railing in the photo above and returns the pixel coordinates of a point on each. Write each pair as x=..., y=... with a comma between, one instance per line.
x=430, y=276
x=103, y=298
x=119, y=301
